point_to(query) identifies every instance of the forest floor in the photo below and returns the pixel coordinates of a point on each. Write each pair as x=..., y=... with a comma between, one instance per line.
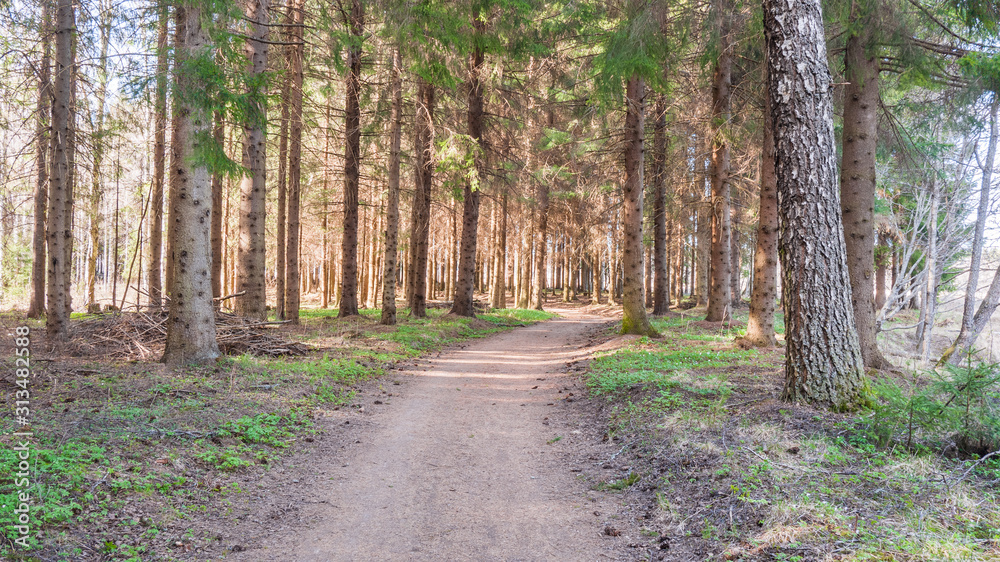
x=557, y=440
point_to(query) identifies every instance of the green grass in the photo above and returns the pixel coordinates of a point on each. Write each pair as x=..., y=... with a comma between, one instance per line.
x=620, y=370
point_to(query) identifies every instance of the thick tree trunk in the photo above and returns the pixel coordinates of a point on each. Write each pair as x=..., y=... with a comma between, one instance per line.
x=180, y=23
x=392, y=206
x=760, y=326
x=352, y=167
x=463, y=300
x=191, y=317
x=420, y=218
x=60, y=199
x=252, y=255
x=968, y=333
x=295, y=56
x=634, y=320
x=719, y=292
x=281, y=221
x=43, y=109
x=823, y=359
x=661, y=297
x=857, y=190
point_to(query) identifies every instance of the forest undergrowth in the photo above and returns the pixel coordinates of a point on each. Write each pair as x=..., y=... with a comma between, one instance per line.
x=129, y=455
x=713, y=465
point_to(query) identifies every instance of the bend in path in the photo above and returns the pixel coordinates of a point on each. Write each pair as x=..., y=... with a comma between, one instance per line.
x=460, y=467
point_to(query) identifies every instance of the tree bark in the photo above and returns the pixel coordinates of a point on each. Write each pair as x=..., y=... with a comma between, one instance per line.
x=252, y=254
x=719, y=292
x=968, y=334
x=295, y=56
x=352, y=167
x=463, y=300
x=857, y=190
x=541, y=231
x=43, y=109
x=218, y=189
x=60, y=199
x=634, y=319
x=392, y=205
x=191, y=317
x=499, y=296
x=823, y=359
x=661, y=297
x=281, y=221
x=154, y=280
x=420, y=218
x=760, y=326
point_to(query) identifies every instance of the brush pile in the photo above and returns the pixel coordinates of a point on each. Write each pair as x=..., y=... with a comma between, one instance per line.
x=142, y=335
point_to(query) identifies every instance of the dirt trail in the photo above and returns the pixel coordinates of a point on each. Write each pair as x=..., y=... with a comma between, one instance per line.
x=459, y=466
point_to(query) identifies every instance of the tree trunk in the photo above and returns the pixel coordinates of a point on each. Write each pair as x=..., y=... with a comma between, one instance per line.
x=180, y=22
x=98, y=143
x=541, y=230
x=634, y=320
x=823, y=359
x=928, y=311
x=702, y=202
x=392, y=206
x=857, y=190
x=191, y=317
x=43, y=109
x=218, y=189
x=295, y=56
x=420, y=218
x=352, y=166
x=463, y=300
x=968, y=333
x=719, y=292
x=252, y=255
x=661, y=297
x=281, y=221
x=499, y=297
x=60, y=202
x=159, y=164
x=760, y=326
x=881, y=265
x=595, y=278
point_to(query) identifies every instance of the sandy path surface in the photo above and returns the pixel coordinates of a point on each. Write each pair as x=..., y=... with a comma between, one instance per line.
x=459, y=467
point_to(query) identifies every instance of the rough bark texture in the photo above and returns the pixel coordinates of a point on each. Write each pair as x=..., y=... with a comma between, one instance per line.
x=352, y=168
x=661, y=297
x=498, y=296
x=252, y=254
x=823, y=359
x=701, y=255
x=57, y=235
x=392, y=205
x=44, y=106
x=420, y=218
x=295, y=56
x=180, y=26
x=541, y=232
x=191, y=317
x=634, y=319
x=857, y=190
x=968, y=333
x=760, y=326
x=463, y=302
x=719, y=292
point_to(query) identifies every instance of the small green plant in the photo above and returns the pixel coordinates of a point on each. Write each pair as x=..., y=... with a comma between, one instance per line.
x=619, y=484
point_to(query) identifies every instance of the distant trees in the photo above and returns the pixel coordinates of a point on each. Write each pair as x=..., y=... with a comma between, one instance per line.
x=527, y=140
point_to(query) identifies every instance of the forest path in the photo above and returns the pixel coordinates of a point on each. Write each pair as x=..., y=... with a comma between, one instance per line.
x=459, y=467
